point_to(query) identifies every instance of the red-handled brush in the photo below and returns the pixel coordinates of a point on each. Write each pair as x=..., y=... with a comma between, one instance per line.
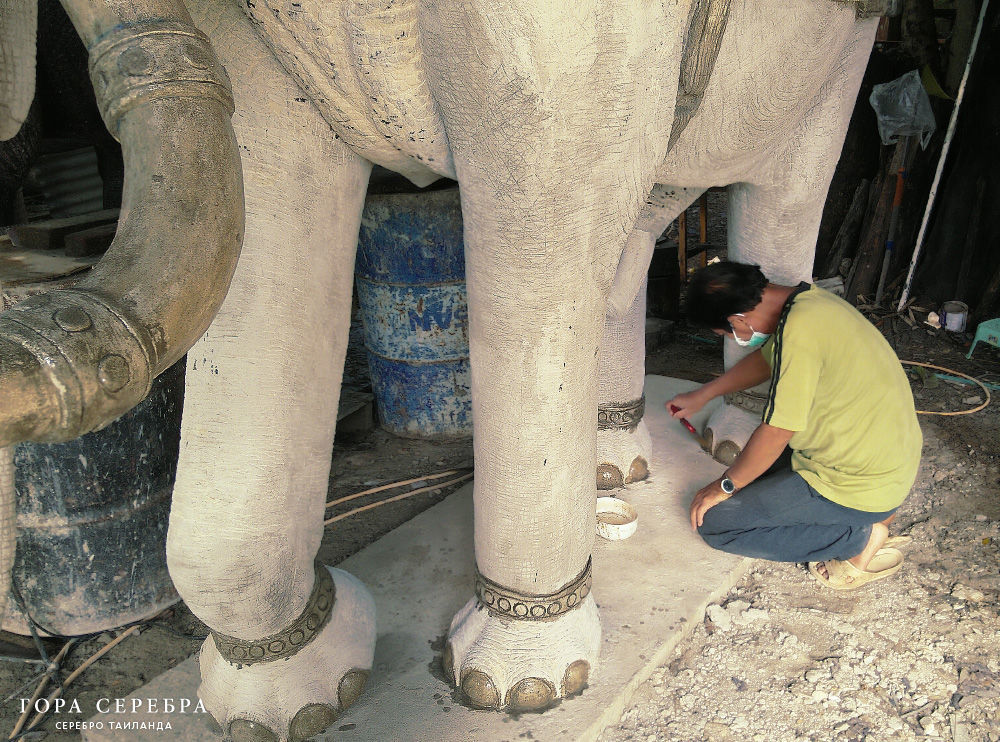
x=690, y=428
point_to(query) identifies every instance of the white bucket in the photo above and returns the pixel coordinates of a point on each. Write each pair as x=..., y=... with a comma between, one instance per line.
x=954, y=315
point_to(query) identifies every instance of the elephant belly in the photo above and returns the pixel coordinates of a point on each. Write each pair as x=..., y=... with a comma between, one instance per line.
x=776, y=61
x=359, y=63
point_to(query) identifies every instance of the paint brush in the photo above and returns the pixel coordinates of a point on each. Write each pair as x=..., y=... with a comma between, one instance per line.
x=690, y=428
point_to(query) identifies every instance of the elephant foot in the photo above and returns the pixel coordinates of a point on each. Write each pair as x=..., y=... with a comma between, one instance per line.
x=294, y=684
x=731, y=425
x=624, y=448
x=523, y=653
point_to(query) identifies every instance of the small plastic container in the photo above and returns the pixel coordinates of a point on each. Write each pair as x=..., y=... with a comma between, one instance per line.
x=616, y=519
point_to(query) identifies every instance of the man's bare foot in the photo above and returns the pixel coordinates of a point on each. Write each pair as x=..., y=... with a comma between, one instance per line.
x=879, y=535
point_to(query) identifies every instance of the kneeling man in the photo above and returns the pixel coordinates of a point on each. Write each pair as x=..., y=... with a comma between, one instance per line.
x=839, y=400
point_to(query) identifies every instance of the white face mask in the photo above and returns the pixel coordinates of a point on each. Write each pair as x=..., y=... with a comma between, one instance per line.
x=756, y=340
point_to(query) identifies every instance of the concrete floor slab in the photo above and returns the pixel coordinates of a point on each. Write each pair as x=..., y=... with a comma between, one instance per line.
x=650, y=588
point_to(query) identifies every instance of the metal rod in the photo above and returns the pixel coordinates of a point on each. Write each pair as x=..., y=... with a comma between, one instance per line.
x=941, y=160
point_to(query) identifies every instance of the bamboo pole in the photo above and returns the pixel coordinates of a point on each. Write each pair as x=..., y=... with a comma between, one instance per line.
x=949, y=135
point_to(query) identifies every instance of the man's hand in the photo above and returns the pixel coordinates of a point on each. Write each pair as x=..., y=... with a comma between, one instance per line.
x=688, y=403
x=750, y=371
x=707, y=498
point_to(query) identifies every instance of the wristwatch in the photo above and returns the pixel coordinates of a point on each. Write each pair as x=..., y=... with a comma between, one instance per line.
x=728, y=486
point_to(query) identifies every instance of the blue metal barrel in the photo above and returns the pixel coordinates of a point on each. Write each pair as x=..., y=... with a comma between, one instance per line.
x=410, y=274
x=92, y=519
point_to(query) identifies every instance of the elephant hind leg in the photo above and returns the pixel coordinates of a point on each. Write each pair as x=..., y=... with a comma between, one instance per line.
x=774, y=217
x=624, y=447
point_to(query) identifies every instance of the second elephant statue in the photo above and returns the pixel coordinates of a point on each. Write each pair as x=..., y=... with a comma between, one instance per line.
x=577, y=133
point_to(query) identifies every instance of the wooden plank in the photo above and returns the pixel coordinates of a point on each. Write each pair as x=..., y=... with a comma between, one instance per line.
x=847, y=235
x=49, y=234
x=90, y=242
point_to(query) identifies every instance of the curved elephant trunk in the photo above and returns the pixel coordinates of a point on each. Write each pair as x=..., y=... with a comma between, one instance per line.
x=71, y=361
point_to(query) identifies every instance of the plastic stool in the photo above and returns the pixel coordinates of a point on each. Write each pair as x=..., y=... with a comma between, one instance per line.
x=989, y=332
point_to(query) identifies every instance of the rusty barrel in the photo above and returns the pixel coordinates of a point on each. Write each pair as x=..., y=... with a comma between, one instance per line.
x=92, y=519
x=410, y=277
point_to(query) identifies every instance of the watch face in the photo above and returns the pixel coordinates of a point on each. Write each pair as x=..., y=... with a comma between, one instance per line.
x=727, y=486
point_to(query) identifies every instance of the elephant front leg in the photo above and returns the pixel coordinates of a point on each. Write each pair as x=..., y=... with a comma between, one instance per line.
x=508, y=649
x=295, y=682
x=291, y=642
x=532, y=632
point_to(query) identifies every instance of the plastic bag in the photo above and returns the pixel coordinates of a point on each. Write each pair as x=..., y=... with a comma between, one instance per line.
x=903, y=109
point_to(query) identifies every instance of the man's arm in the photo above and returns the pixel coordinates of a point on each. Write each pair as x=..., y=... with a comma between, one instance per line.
x=750, y=371
x=762, y=450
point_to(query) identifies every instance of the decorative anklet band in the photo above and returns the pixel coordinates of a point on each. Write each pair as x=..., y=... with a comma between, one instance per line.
x=625, y=416
x=289, y=641
x=150, y=60
x=746, y=401
x=503, y=601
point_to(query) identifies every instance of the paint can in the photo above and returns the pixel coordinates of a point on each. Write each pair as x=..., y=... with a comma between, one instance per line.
x=953, y=315
x=410, y=277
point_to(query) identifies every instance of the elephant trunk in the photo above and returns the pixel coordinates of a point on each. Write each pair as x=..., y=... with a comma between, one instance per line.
x=73, y=360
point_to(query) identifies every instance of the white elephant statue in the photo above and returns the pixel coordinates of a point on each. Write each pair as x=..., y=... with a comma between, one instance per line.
x=577, y=133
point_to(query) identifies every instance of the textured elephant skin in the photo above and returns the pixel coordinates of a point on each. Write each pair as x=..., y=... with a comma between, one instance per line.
x=558, y=121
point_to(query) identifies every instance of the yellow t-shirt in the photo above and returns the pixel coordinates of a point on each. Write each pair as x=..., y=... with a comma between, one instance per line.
x=839, y=386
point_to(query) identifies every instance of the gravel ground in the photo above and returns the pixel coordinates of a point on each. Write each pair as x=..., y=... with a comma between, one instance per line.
x=915, y=656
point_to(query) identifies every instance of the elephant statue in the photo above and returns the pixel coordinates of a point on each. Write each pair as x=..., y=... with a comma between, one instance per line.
x=577, y=133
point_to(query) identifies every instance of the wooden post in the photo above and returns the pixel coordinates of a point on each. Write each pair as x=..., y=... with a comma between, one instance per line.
x=871, y=246
x=849, y=228
x=703, y=229
x=682, y=224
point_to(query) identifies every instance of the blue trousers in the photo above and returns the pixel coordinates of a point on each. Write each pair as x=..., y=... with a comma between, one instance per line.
x=781, y=518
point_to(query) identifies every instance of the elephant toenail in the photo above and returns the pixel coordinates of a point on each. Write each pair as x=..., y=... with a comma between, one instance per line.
x=531, y=694
x=310, y=721
x=213, y=726
x=351, y=686
x=609, y=477
x=726, y=453
x=480, y=691
x=244, y=730
x=638, y=471
x=575, y=678
x=448, y=662
x=707, y=438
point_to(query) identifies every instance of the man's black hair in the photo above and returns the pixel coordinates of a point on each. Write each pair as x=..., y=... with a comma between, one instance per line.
x=723, y=289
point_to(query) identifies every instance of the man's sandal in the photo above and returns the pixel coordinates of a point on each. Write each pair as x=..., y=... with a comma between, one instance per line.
x=842, y=575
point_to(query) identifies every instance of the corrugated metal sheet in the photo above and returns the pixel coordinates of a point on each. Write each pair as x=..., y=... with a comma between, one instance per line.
x=69, y=182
